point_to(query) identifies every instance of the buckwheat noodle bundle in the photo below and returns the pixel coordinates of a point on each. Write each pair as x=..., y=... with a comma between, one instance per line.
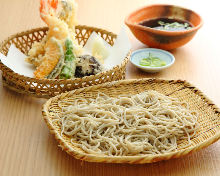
x=145, y=123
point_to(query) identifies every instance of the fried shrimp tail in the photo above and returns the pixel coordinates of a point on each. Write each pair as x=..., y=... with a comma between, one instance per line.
x=49, y=55
x=58, y=31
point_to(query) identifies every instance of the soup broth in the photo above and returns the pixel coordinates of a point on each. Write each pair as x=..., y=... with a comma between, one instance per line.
x=168, y=24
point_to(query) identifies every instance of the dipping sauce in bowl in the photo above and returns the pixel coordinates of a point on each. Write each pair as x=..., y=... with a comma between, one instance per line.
x=167, y=24
x=164, y=26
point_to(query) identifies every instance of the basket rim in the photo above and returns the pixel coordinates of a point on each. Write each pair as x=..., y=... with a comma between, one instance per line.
x=6, y=69
x=128, y=159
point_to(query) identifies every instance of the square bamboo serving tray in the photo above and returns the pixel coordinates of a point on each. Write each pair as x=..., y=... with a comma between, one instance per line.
x=208, y=116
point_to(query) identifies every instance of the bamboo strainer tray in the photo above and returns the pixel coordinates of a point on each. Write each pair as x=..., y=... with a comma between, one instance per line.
x=209, y=116
x=51, y=87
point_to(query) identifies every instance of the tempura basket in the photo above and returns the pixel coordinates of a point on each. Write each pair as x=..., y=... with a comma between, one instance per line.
x=51, y=87
x=208, y=116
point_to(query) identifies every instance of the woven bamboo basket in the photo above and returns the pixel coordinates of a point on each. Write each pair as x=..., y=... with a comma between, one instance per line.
x=209, y=116
x=51, y=87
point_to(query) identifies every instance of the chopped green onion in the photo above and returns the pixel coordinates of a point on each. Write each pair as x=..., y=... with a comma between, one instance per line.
x=152, y=61
x=174, y=25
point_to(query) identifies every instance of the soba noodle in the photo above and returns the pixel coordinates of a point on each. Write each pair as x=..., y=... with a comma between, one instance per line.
x=145, y=123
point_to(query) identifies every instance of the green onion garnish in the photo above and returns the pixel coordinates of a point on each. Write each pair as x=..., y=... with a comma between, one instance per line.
x=152, y=61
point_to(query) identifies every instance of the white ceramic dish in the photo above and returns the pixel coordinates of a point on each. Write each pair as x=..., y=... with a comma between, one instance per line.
x=166, y=56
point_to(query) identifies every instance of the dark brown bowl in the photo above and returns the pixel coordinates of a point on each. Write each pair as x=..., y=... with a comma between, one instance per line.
x=161, y=38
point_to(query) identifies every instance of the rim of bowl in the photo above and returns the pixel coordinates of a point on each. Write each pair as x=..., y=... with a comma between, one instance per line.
x=163, y=31
x=153, y=68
